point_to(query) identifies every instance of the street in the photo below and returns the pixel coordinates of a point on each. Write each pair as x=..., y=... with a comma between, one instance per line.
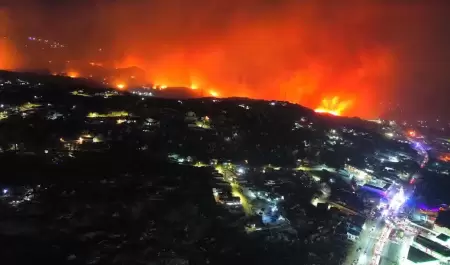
x=397, y=252
x=375, y=247
x=363, y=250
x=229, y=176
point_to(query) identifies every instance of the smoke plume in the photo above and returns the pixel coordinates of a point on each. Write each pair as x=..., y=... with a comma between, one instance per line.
x=300, y=51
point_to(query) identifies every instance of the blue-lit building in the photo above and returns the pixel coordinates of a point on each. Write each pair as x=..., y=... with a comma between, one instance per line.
x=272, y=216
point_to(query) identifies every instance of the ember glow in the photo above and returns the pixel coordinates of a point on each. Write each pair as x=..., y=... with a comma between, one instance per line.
x=73, y=74
x=6, y=62
x=214, y=93
x=412, y=133
x=333, y=106
x=444, y=157
x=121, y=86
x=9, y=57
x=282, y=50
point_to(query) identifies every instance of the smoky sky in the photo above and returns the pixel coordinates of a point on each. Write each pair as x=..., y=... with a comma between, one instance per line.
x=373, y=53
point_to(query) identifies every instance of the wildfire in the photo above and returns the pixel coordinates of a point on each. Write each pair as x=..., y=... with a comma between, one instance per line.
x=214, y=93
x=445, y=157
x=121, y=86
x=8, y=53
x=95, y=64
x=412, y=133
x=73, y=74
x=292, y=55
x=333, y=106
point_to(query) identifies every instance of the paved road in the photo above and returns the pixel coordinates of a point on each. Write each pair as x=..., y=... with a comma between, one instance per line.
x=236, y=190
x=374, y=242
x=367, y=240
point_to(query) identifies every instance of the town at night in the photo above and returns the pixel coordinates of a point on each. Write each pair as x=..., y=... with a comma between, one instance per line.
x=219, y=132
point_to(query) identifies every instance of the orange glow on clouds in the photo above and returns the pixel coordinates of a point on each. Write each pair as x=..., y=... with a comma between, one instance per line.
x=289, y=50
x=8, y=54
x=6, y=58
x=284, y=51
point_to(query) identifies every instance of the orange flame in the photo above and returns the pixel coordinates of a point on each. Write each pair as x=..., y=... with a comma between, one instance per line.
x=214, y=93
x=96, y=64
x=412, y=133
x=274, y=50
x=333, y=106
x=73, y=74
x=121, y=86
x=445, y=158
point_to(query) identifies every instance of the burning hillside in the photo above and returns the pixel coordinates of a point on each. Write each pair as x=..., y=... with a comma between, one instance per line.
x=298, y=51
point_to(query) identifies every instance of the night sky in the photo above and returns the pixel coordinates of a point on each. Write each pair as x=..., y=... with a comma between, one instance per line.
x=364, y=52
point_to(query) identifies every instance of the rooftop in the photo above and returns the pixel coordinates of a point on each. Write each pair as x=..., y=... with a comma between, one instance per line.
x=443, y=219
x=443, y=237
x=385, y=187
x=417, y=256
x=358, y=220
x=354, y=231
x=434, y=246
